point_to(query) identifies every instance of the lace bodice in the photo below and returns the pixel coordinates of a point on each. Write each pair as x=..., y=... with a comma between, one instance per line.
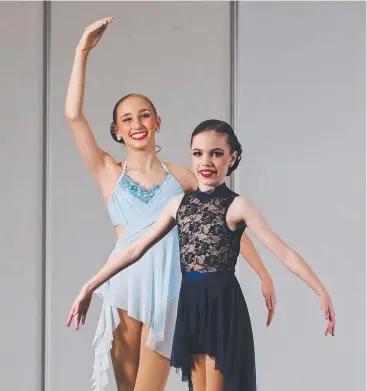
x=206, y=242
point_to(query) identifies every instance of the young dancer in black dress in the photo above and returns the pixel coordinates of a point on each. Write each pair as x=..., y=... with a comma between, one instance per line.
x=213, y=342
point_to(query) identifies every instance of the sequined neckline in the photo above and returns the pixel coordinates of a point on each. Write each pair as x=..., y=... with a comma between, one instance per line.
x=137, y=190
x=219, y=191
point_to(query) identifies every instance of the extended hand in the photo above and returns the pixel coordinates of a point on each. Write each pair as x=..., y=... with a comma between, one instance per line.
x=93, y=34
x=270, y=300
x=80, y=308
x=329, y=314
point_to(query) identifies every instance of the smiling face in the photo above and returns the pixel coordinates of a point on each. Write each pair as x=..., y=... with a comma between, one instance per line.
x=211, y=158
x=137, y=123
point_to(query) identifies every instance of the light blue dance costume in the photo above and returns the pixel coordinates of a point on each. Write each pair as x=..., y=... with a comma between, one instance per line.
x=149, y=289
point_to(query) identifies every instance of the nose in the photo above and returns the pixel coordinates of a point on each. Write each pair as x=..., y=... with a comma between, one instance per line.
x=136, y=123
x=206, y=160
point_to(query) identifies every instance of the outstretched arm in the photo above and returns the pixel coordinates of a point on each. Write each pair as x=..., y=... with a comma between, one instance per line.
x=123, y=259
x=257, y=224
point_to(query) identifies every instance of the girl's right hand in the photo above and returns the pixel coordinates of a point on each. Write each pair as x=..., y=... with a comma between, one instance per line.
x=93, y=33
x=80, y=308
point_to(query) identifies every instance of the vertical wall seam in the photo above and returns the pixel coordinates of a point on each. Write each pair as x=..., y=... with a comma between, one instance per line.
x=233, y=73
x=45, y=115
x=234, y=83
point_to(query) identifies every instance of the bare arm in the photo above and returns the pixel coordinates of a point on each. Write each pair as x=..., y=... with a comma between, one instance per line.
x=257, y=224
x=95, y=157
x=124, y=258
x=130, y=255
x=287, y=256
x=248, y=251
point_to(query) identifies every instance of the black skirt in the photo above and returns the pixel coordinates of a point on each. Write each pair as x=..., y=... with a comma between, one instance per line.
x=213, y=319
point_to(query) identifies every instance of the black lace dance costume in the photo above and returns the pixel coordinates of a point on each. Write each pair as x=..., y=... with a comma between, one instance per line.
x=212, y=316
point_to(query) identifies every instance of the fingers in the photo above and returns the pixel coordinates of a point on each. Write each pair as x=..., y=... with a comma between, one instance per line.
x=330, y=329
x=99, y=24
x=77, y=321
x=270, y=317
x=330, y=316
x=268, y=302
x=70, y=317
x=102, y=29
x=273, y=301
x=108, y=19
x=79, y=317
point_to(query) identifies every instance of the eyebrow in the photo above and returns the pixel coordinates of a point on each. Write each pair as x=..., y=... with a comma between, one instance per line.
x=212, y=150
x=140, y=111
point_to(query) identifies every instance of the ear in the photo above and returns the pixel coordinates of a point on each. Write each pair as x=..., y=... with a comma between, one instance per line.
x=233, y=158
x=116, y=129
x=159, y=122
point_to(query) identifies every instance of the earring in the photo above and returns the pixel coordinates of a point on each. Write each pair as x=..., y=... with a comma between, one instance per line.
x=118, y=137
x=157, y=130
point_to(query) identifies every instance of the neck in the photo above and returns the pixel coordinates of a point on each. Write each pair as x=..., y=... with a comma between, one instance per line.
x=206, y=188
x=144, y=160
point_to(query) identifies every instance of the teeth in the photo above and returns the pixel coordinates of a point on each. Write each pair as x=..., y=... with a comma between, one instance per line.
x=139, y=135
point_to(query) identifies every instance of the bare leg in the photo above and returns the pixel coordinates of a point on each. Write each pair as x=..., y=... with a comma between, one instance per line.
x=214, y=379
x=125, y=351
x=154, y=368
x=198, y=373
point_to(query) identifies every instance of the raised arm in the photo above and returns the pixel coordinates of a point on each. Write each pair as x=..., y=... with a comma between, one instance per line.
x=96, y=159
x=244, y=210
x=124, y=258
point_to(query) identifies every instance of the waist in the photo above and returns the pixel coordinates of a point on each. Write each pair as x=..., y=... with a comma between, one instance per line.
x=188, y=275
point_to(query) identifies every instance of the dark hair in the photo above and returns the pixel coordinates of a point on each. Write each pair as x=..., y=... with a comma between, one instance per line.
x=114, y=114
x=223, y=128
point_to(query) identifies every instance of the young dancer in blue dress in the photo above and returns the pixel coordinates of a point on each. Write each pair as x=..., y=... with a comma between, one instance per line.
x=140, y=303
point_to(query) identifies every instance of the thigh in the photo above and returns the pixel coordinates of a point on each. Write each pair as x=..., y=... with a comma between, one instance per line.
x=154, y=368
x=214, y=378
x=125, y=351
x=198, y=373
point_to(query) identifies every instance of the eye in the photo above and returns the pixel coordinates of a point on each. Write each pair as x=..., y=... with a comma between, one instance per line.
x=197, y=154
x=126, y=119
x=146, y=115
x=218, y=153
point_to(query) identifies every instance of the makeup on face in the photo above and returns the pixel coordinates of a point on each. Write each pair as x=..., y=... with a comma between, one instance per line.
x=211, y=158
x=137, y=122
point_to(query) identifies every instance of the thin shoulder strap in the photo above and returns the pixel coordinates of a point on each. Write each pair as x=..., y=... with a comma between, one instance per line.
x=165, y=167
x=124, y=168
x=118, y=181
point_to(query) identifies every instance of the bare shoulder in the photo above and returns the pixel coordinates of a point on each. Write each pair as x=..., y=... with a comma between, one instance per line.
x=241, y=202
x=174, y=204
x=239, y=209
x=176, y=201
x=184, y=176
x=113, y=170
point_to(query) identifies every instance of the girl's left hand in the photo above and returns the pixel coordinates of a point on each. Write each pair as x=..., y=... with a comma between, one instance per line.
x=270, y=300
x=80, y=308
x=329, y=314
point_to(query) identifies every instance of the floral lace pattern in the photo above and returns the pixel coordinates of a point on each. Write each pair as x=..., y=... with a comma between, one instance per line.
x=206, y=242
